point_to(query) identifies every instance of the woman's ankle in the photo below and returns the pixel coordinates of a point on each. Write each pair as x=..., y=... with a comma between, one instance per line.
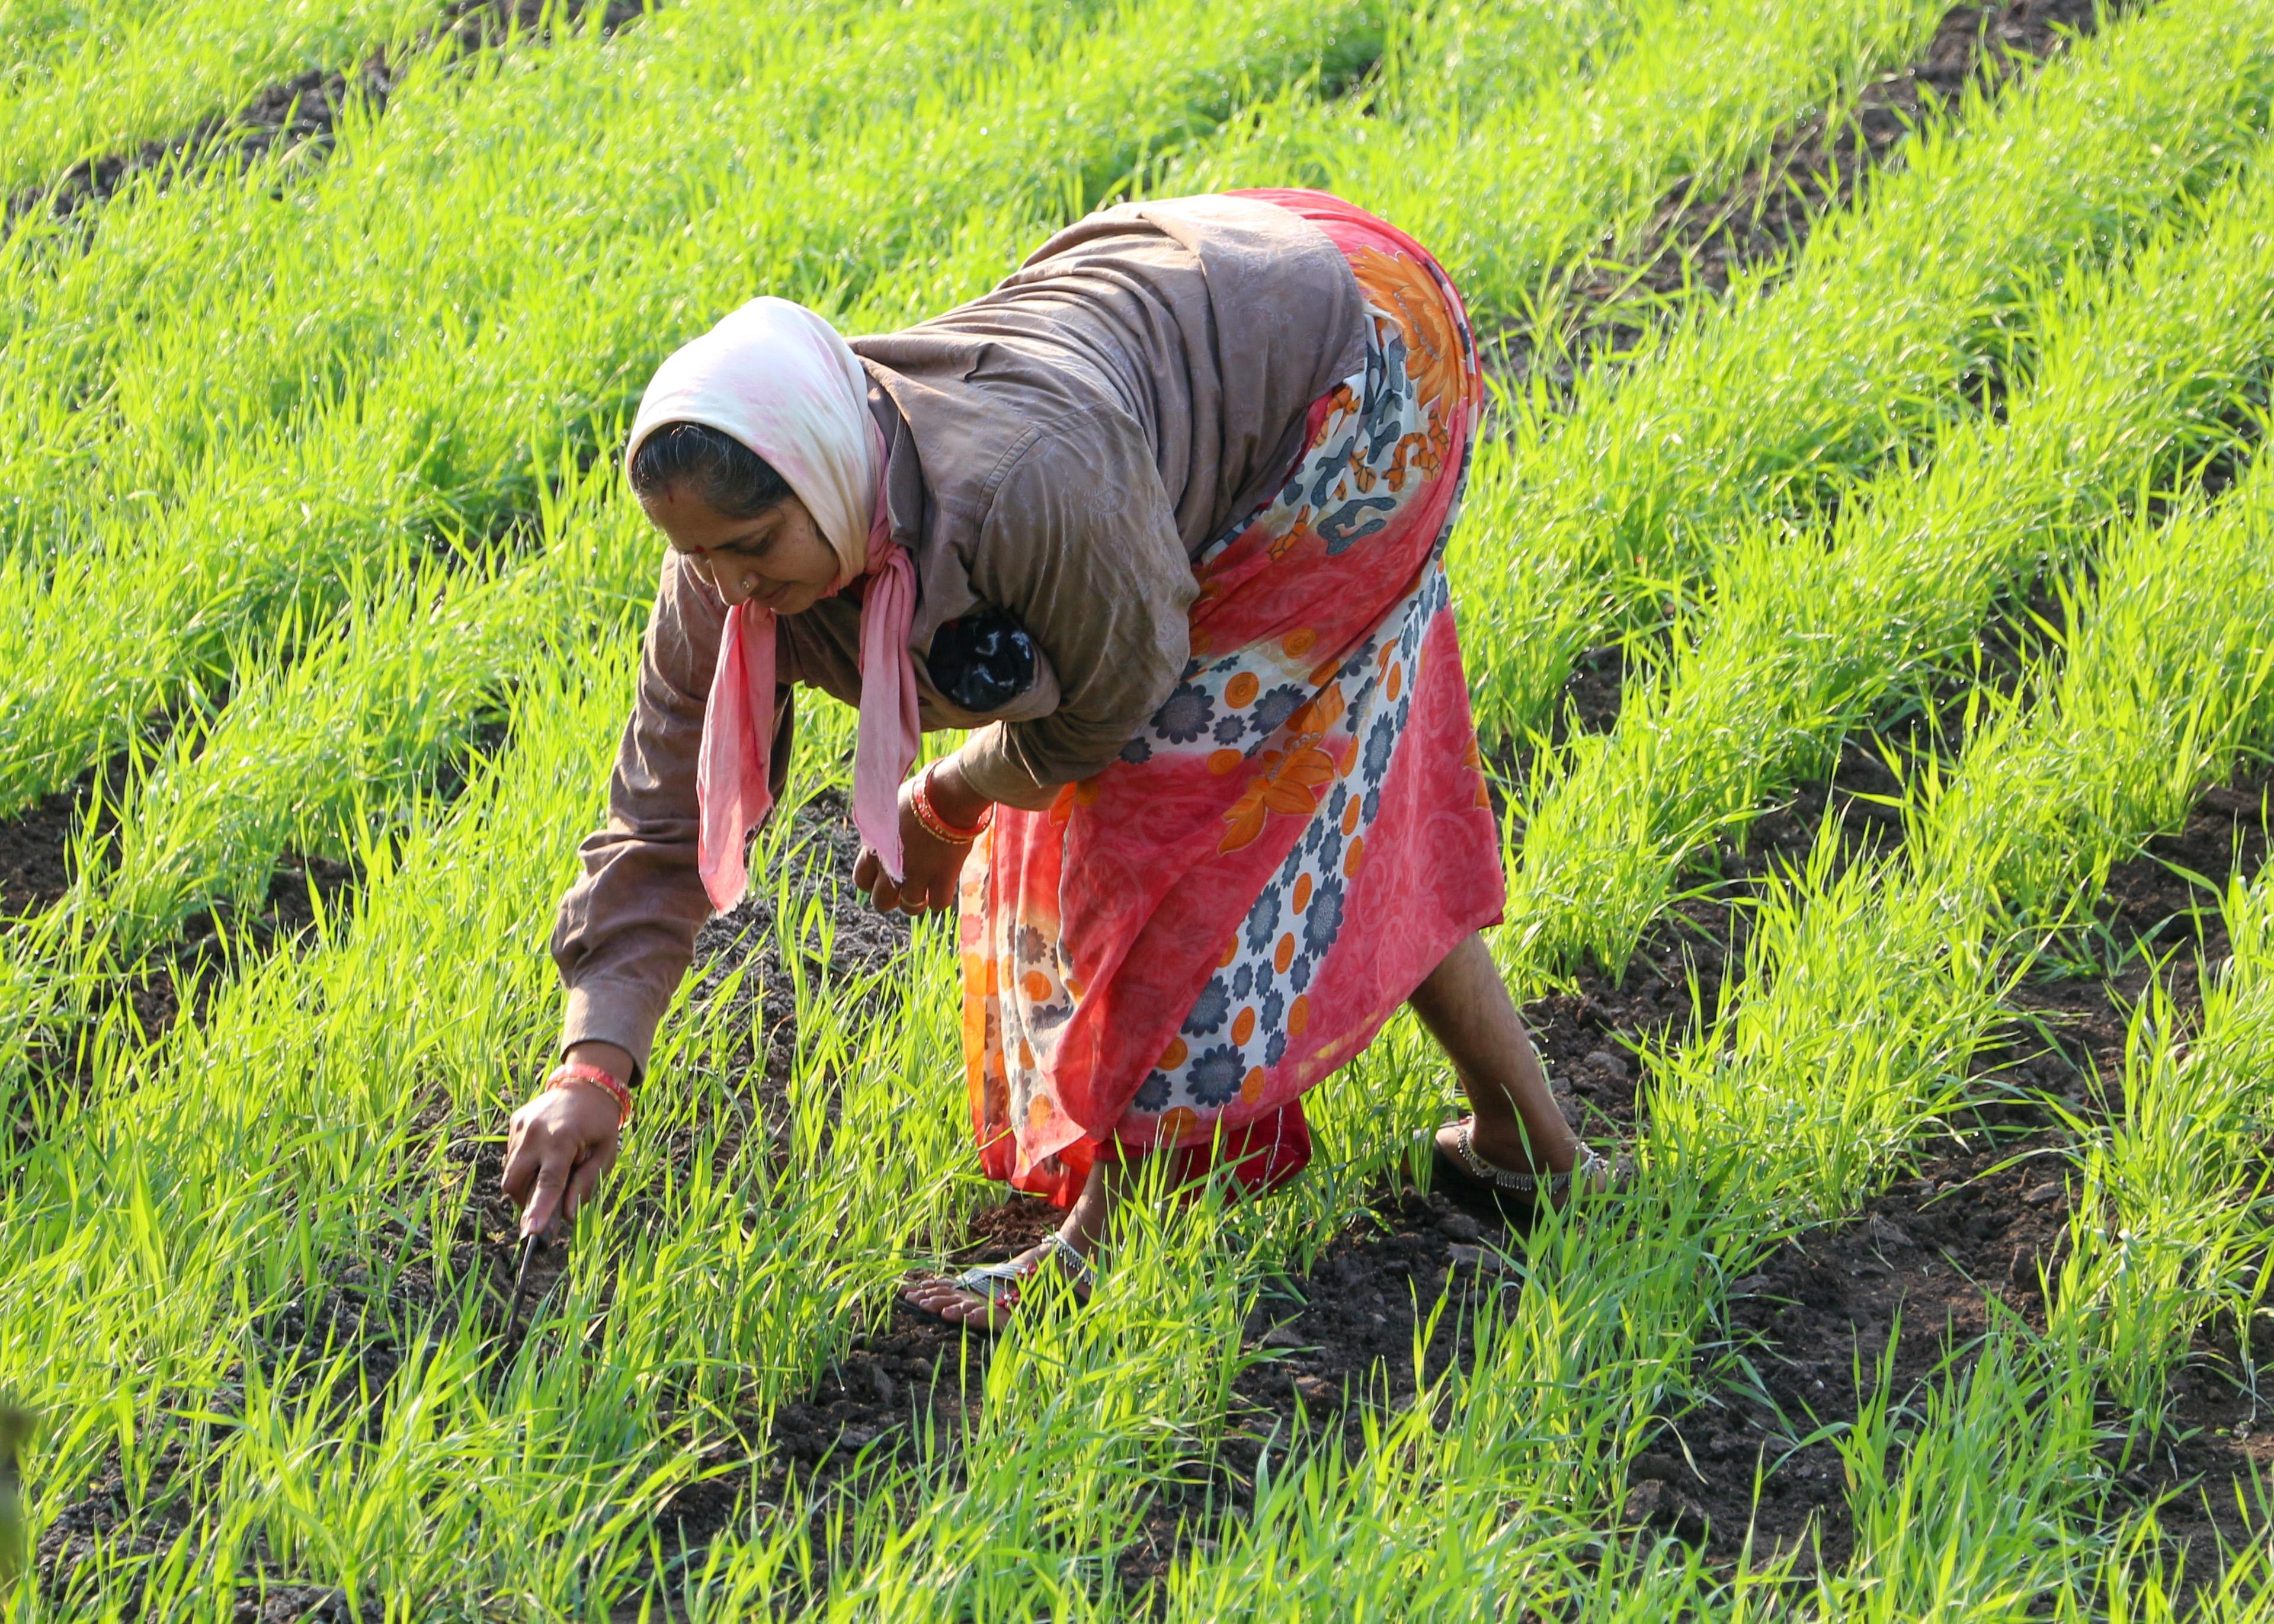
x=1503, y=1141
x=1083, y=1228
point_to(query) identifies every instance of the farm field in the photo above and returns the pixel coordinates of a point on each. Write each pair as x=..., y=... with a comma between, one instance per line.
x=95, y=95
x=1866, y=583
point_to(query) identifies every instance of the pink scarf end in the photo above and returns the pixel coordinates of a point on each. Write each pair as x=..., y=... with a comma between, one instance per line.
x=733, y=773
x=733, y=790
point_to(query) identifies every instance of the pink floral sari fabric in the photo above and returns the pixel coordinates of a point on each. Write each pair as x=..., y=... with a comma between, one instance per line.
x=1181, y=946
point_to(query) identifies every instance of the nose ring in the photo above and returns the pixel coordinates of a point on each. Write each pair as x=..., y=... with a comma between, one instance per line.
x=750, y=585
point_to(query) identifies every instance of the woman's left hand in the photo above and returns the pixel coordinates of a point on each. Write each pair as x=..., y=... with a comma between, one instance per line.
x=934, y=866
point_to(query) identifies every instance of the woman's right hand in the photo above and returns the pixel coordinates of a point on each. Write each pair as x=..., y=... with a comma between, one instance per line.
x=561, y=1142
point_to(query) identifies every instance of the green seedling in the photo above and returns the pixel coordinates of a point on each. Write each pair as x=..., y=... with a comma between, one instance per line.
x=281, y=425
x=1812, y=375
x=15, y=1432
x=87, y=83
x=1805, y=637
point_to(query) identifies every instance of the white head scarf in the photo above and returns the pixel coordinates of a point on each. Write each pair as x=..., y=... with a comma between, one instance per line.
x=781, y=380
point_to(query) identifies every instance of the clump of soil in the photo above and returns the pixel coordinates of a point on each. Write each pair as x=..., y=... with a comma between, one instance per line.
x=2216, y=1438
x=36, y=844
x=1983, y=1217
x=304, y=109
x=97, y=1518
x=353, y=1313
x=1588, y=1036
x=34, y=874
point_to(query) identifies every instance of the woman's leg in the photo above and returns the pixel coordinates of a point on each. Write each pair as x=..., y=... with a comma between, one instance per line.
x=1466, y=1008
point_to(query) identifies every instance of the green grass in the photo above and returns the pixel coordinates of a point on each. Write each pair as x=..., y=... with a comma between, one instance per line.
x=1801, y=638
x=88, y=81
x=313, y=462
x=1682, y=95
x=2167, y=681
x=2177, y=1182
x=436, y=418
x=1776, y=400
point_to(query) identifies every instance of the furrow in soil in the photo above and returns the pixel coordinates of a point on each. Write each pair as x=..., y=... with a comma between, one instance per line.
x=1982, y=1219
x=302, y=110
x=1694, y=243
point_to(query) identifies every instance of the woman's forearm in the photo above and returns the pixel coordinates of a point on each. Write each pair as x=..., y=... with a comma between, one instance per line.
x=962, y=803
x=612, y=1058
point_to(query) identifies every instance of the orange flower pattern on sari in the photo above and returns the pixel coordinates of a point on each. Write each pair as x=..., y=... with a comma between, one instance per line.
x=1438, y=355
x=1181, y=946
x=1292, y=778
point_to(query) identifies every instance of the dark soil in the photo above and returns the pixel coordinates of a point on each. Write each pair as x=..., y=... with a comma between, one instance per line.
x=367, y=1309
x=34, y=874
x=1588, y=1035
x=178, y=979
x=1982, y=1218
x=1986, y=1211
x=96, y=1519
x=182, y=976
x=755, y=1070
x=1974, y=1225
x=1981, y=1214
x=304, y=109
x=863, y=941
x=2216, y=1439
x=1340, y=1337
x=355, y=1312
x=1343, y=1333
x=36, y=844
x=1698, y=241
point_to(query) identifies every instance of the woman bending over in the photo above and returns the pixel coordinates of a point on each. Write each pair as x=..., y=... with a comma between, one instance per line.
x=1161, y=519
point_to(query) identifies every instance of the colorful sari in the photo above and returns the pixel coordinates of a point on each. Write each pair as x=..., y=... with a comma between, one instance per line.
x=1181, y=946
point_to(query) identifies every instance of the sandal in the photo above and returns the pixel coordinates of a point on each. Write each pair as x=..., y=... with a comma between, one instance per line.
x=998, y=1283
x=1516, y=1194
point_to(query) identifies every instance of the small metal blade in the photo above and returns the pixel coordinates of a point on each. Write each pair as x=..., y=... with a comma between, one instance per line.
x=529, y=1245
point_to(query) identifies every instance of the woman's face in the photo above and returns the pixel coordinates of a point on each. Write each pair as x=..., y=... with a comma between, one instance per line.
x=776, y=560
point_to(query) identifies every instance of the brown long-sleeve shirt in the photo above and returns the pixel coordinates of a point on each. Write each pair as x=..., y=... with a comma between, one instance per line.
x=1059, y=450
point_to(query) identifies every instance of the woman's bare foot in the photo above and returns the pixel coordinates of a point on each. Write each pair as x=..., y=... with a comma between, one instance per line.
x=987, y=1300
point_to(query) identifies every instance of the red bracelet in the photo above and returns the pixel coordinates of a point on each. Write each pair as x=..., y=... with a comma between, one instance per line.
x=938, y=827
x=577, y=1072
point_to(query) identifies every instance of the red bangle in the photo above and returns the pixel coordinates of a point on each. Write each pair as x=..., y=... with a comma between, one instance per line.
x=938, y=827
x=577, y=1072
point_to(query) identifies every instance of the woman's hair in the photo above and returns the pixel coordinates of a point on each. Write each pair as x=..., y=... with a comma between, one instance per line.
x=716, y=469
